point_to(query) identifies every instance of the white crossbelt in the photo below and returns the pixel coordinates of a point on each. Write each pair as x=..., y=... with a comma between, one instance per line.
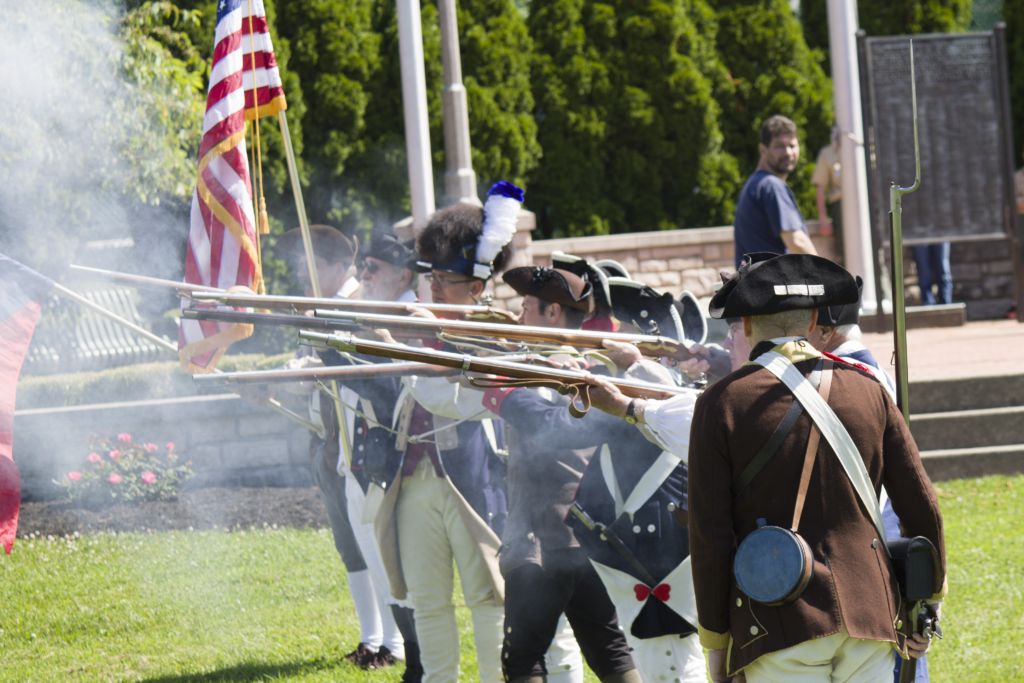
x=833, y=431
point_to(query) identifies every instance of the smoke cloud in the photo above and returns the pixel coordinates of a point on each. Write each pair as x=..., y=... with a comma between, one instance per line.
x=74, y=165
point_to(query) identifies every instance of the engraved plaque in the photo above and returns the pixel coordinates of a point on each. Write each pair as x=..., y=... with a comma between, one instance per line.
x=963, y=184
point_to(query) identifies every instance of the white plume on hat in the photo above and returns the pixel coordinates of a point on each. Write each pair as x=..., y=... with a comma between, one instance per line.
x=500, y=213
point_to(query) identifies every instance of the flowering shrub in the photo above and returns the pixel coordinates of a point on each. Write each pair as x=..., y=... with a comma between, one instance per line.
x=131, y=471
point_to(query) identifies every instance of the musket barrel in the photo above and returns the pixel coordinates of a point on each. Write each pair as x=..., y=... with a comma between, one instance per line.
x=242, y=318
x=135, y=280
x=500, y=367
x=305, y=303
x=651, y=345
x=339, y=373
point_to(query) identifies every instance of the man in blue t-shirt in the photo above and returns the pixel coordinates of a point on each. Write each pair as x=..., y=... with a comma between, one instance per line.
x=766, y=215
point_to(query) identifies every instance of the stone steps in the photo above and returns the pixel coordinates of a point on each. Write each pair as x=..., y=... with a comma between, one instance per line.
x=969, y=426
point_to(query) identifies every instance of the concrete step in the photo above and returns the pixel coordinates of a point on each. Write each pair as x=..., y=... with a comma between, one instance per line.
x=968, y=428
x=964, y=463
x=966, y=393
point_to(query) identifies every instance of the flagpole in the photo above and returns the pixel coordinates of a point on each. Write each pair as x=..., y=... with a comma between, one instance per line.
x=160, y=343
x=307, y=241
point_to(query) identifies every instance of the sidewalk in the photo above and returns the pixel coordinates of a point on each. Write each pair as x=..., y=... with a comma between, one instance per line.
x=989, y=347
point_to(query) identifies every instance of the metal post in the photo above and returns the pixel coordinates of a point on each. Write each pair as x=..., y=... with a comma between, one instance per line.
x=842, y=30
x=459, y=178
x=899, y=309
x=414, y=105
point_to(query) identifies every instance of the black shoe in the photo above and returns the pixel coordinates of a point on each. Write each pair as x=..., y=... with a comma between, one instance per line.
x=381, y=659
x=413, y=669
x=359, y=654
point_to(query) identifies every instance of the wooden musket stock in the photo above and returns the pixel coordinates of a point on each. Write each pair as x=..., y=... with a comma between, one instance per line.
x=487, y=366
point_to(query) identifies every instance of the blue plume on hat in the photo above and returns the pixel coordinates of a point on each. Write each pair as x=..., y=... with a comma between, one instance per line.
x=507, y=189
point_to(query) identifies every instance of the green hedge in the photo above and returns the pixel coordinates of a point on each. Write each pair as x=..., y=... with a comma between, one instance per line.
x=145, y=381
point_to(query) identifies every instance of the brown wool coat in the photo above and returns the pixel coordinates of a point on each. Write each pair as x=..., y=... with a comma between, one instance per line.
x=853, y=583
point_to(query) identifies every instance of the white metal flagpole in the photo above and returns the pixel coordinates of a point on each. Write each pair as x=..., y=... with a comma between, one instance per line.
x=414, y=103
x=842, y=30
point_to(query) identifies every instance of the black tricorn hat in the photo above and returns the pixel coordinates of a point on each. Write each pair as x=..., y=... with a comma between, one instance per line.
x=653, y=312
x=578, y=265
x=613, y=268
x=767, y=283
x=846, y=314
x=552, y=285
x=695, y=325
x=386, y=247
x=328, y=243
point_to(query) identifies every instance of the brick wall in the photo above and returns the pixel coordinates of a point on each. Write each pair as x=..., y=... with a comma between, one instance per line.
x=669, y=260
x=229, y=442
x=692, y=260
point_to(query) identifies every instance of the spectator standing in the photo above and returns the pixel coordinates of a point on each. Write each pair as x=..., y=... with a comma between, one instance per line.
x=767, y=218
x=829, y=192
x=932, y=262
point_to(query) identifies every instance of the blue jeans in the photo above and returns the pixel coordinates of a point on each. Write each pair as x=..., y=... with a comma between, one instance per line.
x=933, y=268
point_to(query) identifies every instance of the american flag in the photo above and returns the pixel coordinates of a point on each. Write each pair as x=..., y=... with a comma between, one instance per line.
x=223, y=247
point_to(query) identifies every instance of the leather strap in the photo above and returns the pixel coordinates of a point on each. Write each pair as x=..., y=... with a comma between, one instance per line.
x=768, y=449
x=824, y=386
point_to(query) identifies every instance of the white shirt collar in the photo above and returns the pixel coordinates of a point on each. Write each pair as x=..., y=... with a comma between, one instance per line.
x=409, y=297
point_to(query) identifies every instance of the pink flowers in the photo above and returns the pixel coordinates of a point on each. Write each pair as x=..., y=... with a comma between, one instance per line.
x=148, y=477
x=170, y=445
x=114, y=454
x=114, y=478
x=94, y=458
x=74, y=476
x=124, y=438
x=150, y=447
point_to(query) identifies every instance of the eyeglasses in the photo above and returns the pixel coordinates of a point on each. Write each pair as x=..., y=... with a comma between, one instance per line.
x=371, y=267
x=443, y=281
x=735, y=330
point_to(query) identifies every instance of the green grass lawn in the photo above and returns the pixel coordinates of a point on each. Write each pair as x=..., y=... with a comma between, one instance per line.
x=272, y=604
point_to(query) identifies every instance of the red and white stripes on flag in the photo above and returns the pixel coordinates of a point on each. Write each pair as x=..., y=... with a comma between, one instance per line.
x=223, y=247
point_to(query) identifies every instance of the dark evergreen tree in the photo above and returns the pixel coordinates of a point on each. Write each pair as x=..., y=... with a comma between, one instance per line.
x=627, y=117
x=888, y=18
x=773, y=72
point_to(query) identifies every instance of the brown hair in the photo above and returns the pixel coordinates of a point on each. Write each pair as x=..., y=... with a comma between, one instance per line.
x=774, y=126
x=452, y=228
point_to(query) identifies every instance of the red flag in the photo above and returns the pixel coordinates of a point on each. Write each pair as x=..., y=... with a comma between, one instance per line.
x=223, y=247
x=21, y=291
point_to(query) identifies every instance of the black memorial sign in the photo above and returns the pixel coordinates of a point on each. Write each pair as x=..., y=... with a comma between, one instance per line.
x=965, y=189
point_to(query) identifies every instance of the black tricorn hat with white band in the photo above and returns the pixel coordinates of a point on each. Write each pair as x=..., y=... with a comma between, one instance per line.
x=847, y=314
x=767, y=283
x=655, y=312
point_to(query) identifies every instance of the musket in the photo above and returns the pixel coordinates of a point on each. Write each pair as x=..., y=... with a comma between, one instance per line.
x=323, y=374
x=307, y=303
x=426, y=328
x=899, y=308
x=649, y=345
x=142, y=280
x=566, y=381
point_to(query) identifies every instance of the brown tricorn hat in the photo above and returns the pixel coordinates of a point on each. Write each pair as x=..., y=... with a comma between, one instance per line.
x=328, y=243
x=552, y=285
